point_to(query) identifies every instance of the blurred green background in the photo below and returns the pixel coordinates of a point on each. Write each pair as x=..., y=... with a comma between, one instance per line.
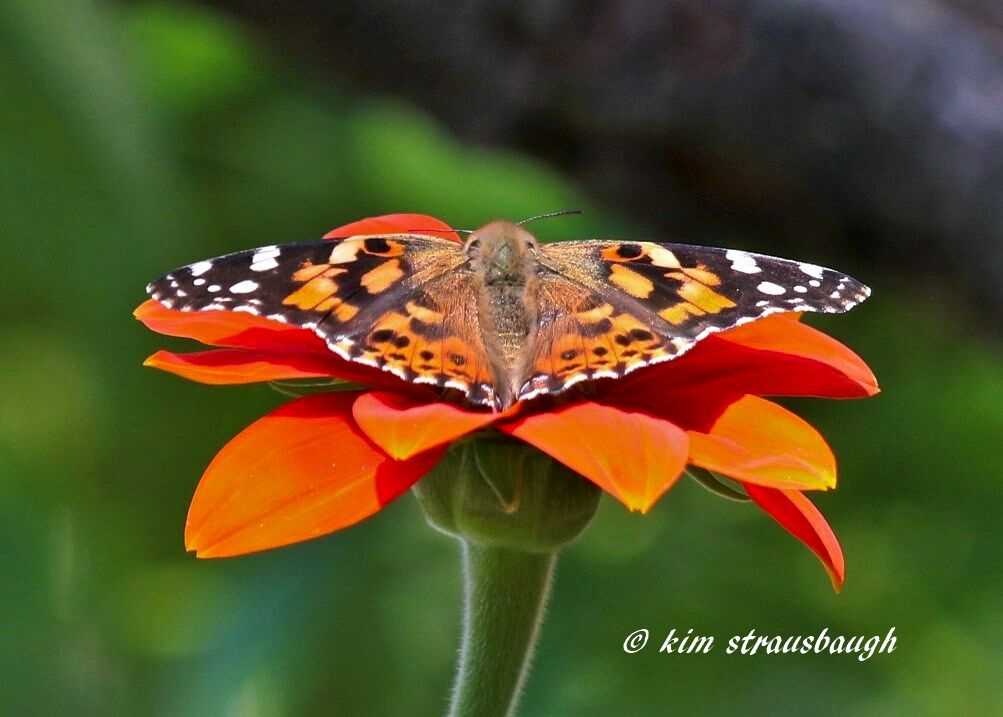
x=136, y=138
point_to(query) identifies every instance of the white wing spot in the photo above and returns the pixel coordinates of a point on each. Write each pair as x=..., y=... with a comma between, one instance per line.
x=199, y=282
x=768, y=287
x=740, y=261
x=815, y=282
x=801, y=289
x=264, y=258
x=264, y=265
x=213, y=288
x=200, y=268
x=812, y=270
x=244, y=287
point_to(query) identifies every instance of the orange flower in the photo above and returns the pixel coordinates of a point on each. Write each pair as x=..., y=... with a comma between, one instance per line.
x=326, y=461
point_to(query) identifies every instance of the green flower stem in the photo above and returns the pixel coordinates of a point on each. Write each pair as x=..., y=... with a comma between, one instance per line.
x=504, y=595
x=512, y=508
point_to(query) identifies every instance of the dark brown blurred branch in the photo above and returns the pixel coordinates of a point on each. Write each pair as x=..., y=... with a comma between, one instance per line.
x=869, y=128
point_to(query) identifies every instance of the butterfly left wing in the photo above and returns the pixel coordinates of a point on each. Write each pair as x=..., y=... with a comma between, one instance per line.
x=607, y=308
x=402, y=303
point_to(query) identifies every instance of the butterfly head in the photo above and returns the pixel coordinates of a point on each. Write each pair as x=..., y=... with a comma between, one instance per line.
x=503, y=251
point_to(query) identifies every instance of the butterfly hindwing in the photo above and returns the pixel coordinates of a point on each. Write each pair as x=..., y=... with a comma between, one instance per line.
x=397, y=302
x=607, y=308
x=431, y=335
x=585, y=334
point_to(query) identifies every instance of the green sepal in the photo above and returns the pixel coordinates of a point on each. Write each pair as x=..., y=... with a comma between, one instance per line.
x=297, y=388
x=717, y=484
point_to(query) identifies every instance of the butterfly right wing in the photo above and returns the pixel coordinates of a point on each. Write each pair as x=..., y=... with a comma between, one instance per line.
x=607, y=308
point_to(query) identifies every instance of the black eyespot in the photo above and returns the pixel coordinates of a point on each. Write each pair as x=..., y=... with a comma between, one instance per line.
x=376, y=245
x=457, y=359
x=569, y=354
x=381, y=336
x=629, y=251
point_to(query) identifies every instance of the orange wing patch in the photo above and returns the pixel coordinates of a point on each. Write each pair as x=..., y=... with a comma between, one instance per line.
x=382, y=277
x=318, y=289
x=637, y=285
x=698, y=298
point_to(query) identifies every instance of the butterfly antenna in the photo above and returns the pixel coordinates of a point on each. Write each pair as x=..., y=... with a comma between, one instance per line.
x=561, y=213
x=441, y=231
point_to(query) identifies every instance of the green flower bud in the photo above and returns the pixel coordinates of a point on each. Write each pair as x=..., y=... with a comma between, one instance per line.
x=496, y=491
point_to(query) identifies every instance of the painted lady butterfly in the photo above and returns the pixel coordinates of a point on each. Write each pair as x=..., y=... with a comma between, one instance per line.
x=502, y=317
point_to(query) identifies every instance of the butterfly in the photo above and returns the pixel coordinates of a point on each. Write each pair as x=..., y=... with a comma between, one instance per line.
x=502, y=317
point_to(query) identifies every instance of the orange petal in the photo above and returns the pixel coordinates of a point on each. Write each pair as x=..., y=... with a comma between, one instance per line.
x=231, y=366
x=266, y=350
x=775, y=356
x=804, y=521
x=783, y=333
x=404, y=427
x=229, y=328
x=299, y=472
x=757, y=441
x=632, y=456
x=396, y=224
